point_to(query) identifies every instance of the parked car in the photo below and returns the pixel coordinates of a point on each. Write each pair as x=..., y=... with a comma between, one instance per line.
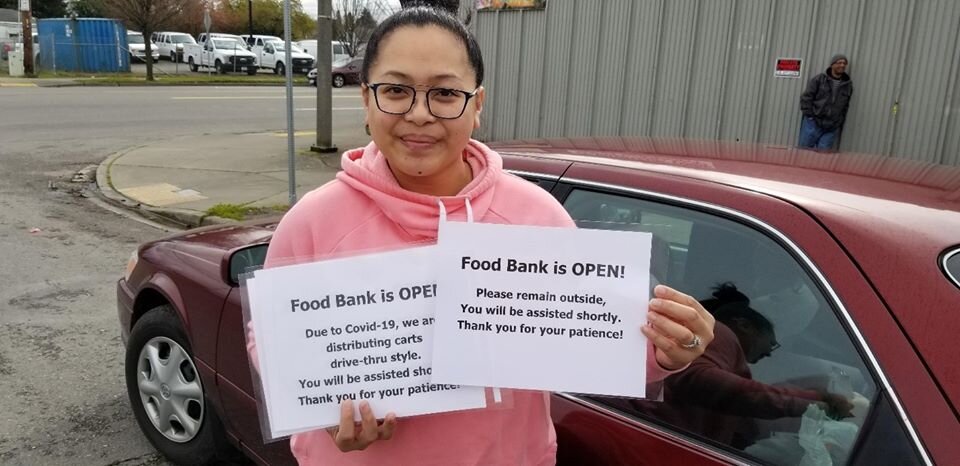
x=137, y=47
x=255, y=44
x=338, y=50
x=853, y=260
x=342, y=73
x=273, y=56
x=171, y=44
x=225, y=53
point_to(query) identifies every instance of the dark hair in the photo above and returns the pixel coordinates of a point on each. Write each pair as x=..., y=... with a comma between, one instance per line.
x=729, y=304
x=422, y=16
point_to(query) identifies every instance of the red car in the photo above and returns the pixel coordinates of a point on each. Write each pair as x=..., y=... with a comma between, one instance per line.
x=342, y=73
x=853, y=261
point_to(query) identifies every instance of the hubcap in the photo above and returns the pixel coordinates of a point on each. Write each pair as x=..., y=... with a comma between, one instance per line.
x=170, y=389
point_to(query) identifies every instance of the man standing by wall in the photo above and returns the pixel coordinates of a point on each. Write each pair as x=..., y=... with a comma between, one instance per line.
x=824, y=105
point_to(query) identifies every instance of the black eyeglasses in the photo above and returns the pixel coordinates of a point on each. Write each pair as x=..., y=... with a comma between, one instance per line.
x=442, y=102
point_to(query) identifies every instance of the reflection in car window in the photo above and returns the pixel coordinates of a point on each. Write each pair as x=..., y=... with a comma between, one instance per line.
x=782, y=382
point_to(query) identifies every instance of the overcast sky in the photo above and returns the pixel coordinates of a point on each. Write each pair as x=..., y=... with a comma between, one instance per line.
x=310, y=6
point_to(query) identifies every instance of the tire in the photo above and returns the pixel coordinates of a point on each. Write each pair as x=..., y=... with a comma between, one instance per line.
x=193, y=66
x=339, y=80
x=192, y=433
x=173, y=57
x=218, y=65
x=280, y=69
x=252, y=71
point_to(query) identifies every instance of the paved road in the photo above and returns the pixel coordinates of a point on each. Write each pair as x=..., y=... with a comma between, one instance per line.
x=62, y=397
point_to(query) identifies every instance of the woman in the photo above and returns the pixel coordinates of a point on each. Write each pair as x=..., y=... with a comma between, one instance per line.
x=423, y=97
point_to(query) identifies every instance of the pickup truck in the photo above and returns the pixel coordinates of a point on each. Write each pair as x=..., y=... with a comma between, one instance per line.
x=274, y=57
x=222, y=52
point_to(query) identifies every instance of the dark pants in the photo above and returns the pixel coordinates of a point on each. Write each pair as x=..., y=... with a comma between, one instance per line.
x=815, y=137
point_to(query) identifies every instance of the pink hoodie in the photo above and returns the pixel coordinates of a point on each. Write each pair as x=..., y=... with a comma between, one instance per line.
x=365, y=209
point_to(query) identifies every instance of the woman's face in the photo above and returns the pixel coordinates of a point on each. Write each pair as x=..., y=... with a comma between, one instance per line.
x=419, y=146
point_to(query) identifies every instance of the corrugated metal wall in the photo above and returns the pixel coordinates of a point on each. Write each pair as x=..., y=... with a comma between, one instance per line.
x=703, y=69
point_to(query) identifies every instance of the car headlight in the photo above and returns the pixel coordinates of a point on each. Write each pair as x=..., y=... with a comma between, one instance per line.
x=131, y=264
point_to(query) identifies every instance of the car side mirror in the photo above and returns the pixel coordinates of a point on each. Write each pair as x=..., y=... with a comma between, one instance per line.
x=245, y=260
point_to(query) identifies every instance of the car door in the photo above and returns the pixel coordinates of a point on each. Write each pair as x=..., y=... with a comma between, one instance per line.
x=783, y=408
x=237, y=393
x=269, y=59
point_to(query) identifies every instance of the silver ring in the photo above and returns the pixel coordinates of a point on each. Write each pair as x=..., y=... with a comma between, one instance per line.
x=693, y=344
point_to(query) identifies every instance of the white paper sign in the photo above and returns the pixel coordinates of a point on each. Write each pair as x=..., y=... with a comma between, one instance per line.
x=542, y=308
x=359, y=327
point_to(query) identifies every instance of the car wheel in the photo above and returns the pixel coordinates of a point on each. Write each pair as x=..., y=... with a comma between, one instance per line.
x=219, y=67
x=252, y=71
x=173, y=57
x=167, y=395
x=193, y=66
x=339, y=80
x=280, y=69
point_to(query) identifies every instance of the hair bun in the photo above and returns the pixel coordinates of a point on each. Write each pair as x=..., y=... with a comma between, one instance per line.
x=727, y=293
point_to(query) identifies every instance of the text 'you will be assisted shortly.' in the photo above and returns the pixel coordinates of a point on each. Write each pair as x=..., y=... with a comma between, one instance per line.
x=568, y=315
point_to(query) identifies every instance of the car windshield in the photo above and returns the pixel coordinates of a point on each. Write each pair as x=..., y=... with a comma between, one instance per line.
x=182, y=39
x=134, y=39
x=228, y=44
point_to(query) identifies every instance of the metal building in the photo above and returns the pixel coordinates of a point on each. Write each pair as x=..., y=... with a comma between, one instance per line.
x=705, y=69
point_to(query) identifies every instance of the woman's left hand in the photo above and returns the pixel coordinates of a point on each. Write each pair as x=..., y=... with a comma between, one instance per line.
x=680, y=328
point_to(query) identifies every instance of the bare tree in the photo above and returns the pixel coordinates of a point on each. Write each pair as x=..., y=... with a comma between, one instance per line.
x=354, y=22
x=147, y=16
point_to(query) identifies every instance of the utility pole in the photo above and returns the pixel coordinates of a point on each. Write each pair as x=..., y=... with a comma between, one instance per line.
x=324, y=141
x=26, y=23
x=250, y=21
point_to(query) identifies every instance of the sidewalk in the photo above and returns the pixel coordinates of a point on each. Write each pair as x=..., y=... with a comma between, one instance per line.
x=179, y=179
x=6, y=81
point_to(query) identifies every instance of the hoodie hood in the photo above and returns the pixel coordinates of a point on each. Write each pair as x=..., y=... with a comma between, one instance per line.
x=367, y=171
x=843, y=77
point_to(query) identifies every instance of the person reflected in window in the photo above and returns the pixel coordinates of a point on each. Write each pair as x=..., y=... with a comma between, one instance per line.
x=717, y=396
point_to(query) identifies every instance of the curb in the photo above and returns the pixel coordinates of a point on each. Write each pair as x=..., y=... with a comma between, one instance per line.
x=181, y=218
x=144, y=84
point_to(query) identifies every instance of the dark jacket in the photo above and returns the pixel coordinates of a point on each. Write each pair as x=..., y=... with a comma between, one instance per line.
x=826, y=105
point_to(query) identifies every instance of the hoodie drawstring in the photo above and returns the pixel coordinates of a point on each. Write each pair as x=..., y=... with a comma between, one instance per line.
x=466, y=204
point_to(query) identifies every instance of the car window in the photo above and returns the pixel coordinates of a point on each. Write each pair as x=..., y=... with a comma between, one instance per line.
x=951, y=266
x=782, y=382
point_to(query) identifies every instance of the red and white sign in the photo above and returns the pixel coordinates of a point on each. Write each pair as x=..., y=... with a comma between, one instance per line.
x=788, y=68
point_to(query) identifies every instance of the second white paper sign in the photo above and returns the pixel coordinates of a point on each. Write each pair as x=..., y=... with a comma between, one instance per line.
x=542, y=308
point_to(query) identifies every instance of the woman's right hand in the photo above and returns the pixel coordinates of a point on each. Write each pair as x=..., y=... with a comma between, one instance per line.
x=350, y=436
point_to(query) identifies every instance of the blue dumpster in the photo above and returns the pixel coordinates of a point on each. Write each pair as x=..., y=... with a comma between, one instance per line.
x=89, y=45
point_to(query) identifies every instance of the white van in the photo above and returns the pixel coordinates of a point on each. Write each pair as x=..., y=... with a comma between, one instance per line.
x=338, y=49
x=137, y=47
x=170, y=44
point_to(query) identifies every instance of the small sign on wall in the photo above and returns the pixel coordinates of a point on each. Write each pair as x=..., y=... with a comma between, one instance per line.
x=788, y=68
